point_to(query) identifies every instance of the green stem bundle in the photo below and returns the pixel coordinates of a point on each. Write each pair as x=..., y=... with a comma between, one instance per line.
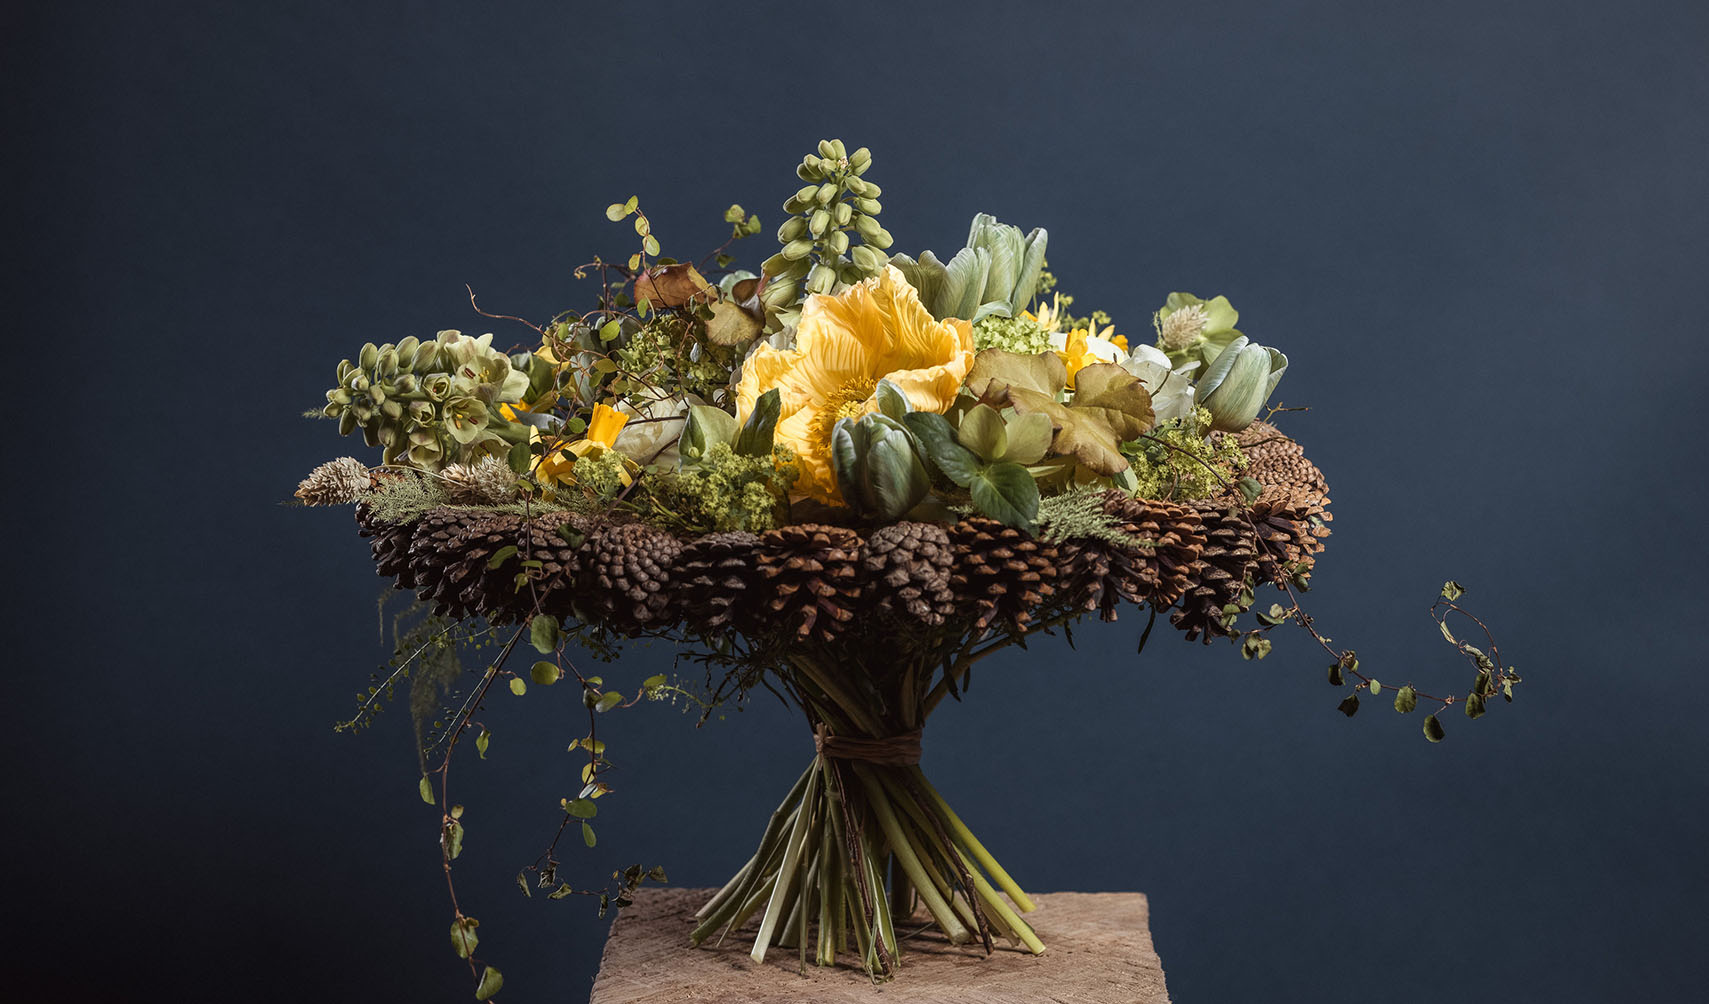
x=817, y=880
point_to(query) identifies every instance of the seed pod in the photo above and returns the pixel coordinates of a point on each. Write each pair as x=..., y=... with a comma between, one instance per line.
x=844, y=213
x=856, y=186
x=825, y=194
x=838, y=242
x=370, y=355
x=792, y=228
x=871, y=207
x=806, y=193
x=867, y=227
x=867, y=260
x=799, y=248
x=860, y=160
x=871, y=191
x=819, y=222
x=827, y=150
x=838, y=150
x=880, y=240
x=822, y=279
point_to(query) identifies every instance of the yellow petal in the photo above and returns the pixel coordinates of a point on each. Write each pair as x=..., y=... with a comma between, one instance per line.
x=607, y=422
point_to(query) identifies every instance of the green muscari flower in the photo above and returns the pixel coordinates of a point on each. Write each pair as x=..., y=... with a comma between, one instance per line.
x=1191, y=330
x=1238, y=383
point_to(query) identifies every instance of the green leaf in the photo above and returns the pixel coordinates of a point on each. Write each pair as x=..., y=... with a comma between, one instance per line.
x=610, y=330
x=519, y=458
x=492, y=981
x=482, y=741
x=1043, y=372
x=1433, y=729
x=1376, y=688
x=426, y=789
x=543, y=633
x=657, y=873
x=1250, y=489
x=1335, y=677
x=891, y=400
x=651, y=244
x=518, y=687
x=1029, y=438
x=563, y=891
x=629, y=206
x=1474, y=705
x=587, y=835
x=653, y=682
x=616, y=211
x=706, y=427
x=1349, y=705
x=982, y=431
x=1006, y=492
x=463, y=937
x=501, y=556
x=581, y=808
x=608, y=700
x=1447, y=633
x=522, y=883
x=545, y=673
x=454, y=839
x=1452, y=590
x=935, y=433
x=1405, y=699
x=757, y=433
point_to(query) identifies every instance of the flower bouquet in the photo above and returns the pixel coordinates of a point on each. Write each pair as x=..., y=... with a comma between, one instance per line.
x=847, y=477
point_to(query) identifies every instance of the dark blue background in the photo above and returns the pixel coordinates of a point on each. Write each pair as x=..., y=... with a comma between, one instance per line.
x=1479, y=234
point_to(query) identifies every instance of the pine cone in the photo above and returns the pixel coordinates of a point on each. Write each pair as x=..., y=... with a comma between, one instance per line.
x=335, y=482
x=1226, y=573
x=1288, y=525
x=908, y=568
x=626, y=581
x=487, y=481
x=431, y=552
x=559, y=541
x=1001, y=574
x=813, y=575
x=716, y=578
x=390, y=545
x=1276, y=460
x=1101, y=574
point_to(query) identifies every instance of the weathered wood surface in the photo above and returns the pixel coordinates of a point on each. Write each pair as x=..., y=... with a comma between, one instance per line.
x=1099, y=951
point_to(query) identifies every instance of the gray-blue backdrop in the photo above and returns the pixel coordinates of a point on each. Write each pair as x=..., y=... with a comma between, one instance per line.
x=1478, y=230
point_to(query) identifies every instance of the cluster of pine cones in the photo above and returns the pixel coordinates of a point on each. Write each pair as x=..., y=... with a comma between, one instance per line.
x=822, y=582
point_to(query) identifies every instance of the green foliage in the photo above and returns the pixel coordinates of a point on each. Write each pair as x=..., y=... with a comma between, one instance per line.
x=1079, y=514
x=601, y=476
x=1021, y=335
x=727, y=491
x=669, y=353
x=1176, y=462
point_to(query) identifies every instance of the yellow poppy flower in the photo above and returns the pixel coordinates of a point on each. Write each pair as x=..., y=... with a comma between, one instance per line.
x=875, y=330
x=555, y=466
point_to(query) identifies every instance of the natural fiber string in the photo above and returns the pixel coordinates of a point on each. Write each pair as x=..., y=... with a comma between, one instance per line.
x=893, y=751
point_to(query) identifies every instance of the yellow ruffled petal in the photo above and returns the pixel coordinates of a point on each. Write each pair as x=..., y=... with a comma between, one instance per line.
x=606, y=423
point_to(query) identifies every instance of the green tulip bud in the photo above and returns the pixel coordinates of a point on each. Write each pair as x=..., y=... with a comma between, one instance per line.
x=1238, y=383
x=877, y=465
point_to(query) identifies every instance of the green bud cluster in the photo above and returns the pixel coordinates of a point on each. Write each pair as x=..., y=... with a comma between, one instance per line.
x=601, y=476
x=429, y=404
x=726, y=490
x=1020, y=335
x=1175, y=468
x=835, y=207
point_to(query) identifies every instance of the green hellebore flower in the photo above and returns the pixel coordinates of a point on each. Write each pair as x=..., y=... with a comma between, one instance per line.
x=1239, y=382
x=465, y=418
x=437, y=386
x=1192, y=330
x=878, y=467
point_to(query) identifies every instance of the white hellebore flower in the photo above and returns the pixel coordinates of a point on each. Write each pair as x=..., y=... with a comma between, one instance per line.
x=651, y=434
x=1171, y=390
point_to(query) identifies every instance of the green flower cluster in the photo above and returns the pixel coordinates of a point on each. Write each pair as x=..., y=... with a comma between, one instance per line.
x=1020, y=335
x=601, y=475
x=1183, y=465
x=727, y=490
x=664, y=354
x=429, y=404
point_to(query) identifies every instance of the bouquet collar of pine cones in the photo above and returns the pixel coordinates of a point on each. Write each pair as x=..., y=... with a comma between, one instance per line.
x=848, y=477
